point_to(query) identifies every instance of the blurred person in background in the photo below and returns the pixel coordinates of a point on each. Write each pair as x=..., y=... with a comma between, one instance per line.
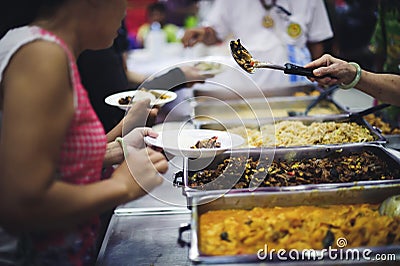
x=183, y=13
x=276, y=31
x=157, y=17
x=353, y=23
x=105, y=72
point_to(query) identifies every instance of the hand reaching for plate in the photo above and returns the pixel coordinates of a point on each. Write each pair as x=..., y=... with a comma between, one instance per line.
x=135, y=138
x=139, y=115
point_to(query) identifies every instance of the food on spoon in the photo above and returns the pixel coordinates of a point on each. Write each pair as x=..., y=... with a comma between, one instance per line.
x=208, y=143
x=242, y=56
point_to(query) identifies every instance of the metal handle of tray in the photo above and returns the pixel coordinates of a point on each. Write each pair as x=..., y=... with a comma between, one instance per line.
x=183, y=228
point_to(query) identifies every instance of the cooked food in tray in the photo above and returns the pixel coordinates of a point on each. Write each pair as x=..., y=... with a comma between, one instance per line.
x=302, y=93
x=256, y=111
x=296, y=133
x=248, y=172
x=234, y=232
x=385, y=127
x=208, y=143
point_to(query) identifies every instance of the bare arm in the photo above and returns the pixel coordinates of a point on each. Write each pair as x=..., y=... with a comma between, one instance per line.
x=206, y=35
x=316, y=49
x=385, y=87
x=32, y=132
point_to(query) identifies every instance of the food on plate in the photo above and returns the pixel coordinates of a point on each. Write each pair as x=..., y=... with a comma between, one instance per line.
x=162, y=96
x=208, y=143
x=296, y=133
x=235, y=232
x=382, y=125
x=128, y=99
x=125, y=100
x=242, y=172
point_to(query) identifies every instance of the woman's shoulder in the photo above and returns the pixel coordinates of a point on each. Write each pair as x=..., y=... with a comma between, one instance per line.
x=24, y=49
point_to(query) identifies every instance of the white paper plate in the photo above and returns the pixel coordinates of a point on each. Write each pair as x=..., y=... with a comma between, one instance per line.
x=114, y=98
x=178, y=142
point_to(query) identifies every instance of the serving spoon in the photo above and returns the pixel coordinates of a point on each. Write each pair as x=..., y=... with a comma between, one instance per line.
x=246, y=61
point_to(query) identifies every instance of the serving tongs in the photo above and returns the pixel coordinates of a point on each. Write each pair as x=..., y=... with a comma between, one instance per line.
x=370, y=110
x=246, y=61
x=314, y=103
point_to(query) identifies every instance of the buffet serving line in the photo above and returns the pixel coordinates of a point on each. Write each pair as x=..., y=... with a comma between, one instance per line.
x=327, y=192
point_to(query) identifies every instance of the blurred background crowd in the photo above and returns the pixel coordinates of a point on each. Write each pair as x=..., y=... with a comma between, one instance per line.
x=365, y=31
x=362, y=31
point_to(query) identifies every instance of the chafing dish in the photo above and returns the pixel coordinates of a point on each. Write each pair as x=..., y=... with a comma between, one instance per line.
x=223, y=185
x=268, y=133
x=357, y=195
x=304, y=89
x=211, y=109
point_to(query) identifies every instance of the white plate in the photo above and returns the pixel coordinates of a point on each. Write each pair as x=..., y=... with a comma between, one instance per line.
x=178, y=142
x=114, y=98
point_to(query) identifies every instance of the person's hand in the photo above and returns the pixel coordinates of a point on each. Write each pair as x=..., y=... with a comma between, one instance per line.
x=139, y=115
x=135, y=138
x=193, y=75
x=193, y=36
x=336, y=71
x=140, y=172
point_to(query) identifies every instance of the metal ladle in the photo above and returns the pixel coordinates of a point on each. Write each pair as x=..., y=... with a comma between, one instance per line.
x=246, y=61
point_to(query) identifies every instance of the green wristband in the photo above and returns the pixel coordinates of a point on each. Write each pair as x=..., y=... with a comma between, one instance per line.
x=355, y=80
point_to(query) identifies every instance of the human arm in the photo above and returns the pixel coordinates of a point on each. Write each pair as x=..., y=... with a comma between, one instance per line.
x=32, y=133
x=134, y=78
x=139, y=115
x=384, y=87
x=177, y=78
x=316, y=49
x=206, y=35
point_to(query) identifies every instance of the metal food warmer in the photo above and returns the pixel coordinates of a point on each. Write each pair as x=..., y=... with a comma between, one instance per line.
x=247, y=201
x=288, y=169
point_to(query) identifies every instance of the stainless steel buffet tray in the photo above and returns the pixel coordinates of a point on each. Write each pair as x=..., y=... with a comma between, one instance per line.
x=257, y=124
x=228, y=93
x=191, y=167
x=357, y=195
x=211, y=109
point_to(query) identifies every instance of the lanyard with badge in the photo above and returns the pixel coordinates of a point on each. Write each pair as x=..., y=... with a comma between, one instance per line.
x=293, y=29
